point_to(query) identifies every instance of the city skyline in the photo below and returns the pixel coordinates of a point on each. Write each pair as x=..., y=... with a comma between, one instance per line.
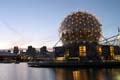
x=36, y=22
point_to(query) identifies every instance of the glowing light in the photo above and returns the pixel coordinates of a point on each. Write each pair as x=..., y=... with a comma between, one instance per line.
x=60, y=58
x=76, y=75
x=111, y=50
x=82, y=50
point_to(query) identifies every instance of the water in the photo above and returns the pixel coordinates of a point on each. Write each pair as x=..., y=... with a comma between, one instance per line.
x=23, y=72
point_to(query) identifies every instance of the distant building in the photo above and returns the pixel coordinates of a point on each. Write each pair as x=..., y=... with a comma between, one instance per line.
x=31, y=51
x=7, y=56
x=43, y=50
x=16, y=50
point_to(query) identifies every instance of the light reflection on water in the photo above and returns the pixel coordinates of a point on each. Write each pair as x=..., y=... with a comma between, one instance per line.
x=23, y=72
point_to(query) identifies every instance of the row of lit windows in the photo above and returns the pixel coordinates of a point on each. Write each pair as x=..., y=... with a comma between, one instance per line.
x=83, y=51
x=101, y=50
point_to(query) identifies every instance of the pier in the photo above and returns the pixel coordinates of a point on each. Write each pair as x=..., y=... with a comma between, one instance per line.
x=74, y=64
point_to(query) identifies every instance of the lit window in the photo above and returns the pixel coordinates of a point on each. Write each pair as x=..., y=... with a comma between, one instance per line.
x=99, y=49
x=111, y=50
x=82, y=50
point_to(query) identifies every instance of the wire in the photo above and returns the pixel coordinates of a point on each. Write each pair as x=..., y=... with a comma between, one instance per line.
x=11, y=28
x=57, y=42
x=18, y=42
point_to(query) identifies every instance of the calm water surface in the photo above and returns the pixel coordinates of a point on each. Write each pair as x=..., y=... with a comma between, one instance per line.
x=23, y=72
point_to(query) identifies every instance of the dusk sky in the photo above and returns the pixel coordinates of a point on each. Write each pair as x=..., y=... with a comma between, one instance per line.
x=36, y=22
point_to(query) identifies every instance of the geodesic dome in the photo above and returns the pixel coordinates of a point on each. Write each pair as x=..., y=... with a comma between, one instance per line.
x=80, y=26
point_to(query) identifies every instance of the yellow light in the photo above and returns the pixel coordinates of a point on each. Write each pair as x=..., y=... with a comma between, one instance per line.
x=82, y=50
x=76, y=75
x=117, y=57
x=99, y=50
x=60, y=58
x=111, y=50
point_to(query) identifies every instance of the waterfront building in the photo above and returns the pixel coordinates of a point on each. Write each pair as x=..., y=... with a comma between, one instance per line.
x=87, y=51
x=80, y=33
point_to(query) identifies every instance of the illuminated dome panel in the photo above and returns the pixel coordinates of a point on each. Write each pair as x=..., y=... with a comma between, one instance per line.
x=80, y=26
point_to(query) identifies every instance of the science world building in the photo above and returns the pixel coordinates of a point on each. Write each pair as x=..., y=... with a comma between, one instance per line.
x=80, y=33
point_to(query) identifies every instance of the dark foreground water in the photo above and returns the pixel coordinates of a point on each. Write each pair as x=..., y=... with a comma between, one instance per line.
x=23, y=72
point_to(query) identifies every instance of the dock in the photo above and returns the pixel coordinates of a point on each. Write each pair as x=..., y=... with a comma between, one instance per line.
x=74, y=64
